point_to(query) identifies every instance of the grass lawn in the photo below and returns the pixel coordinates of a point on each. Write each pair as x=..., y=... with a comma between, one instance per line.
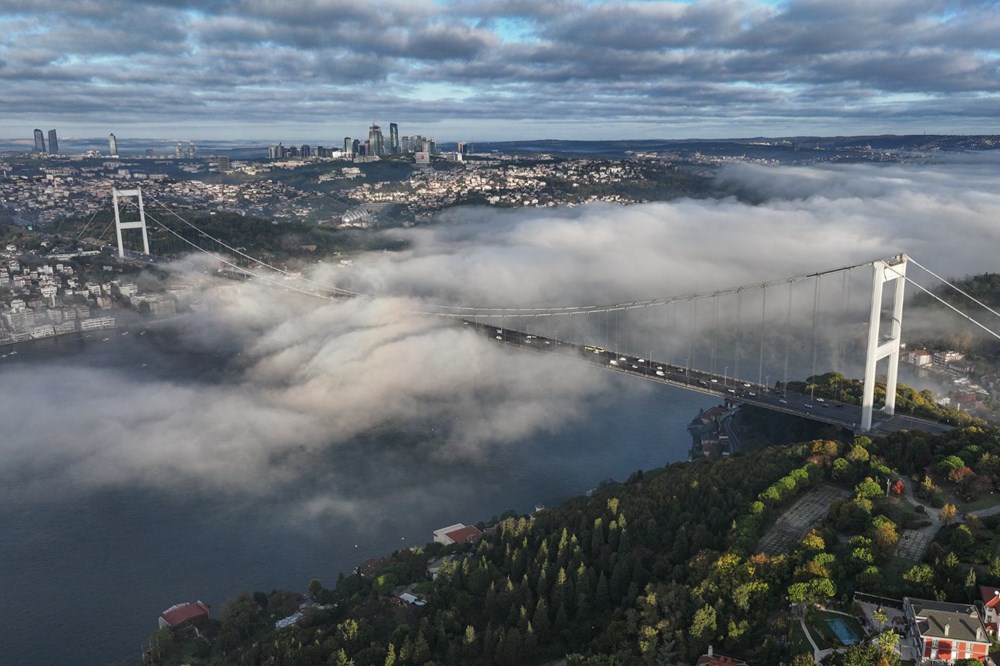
x=797, y=642
x=984, y=502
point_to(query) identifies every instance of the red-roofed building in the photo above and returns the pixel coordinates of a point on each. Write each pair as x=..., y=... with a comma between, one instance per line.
x=180, y=615
x=457, y=533
x=991, y=608
x=943, y=633
x=712, y=659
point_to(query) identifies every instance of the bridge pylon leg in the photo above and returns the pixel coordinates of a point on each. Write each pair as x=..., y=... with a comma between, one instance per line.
x=883, y=272
x=136, y=224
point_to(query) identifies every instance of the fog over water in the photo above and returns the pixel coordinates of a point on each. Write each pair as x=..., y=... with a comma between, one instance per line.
x=273, y=432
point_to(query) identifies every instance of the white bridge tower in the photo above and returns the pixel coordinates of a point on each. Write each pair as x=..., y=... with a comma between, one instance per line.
x=884, y=271
x=135, y=224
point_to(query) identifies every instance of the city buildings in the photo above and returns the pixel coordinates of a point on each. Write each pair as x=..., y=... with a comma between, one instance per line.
x=943, y=633
x=376, y=142
x=394, y=138
x=39, y=141
x=113, y=144
x=53, y=142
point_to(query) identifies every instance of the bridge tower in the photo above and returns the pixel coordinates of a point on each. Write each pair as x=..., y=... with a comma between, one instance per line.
x=883, y=272
x=135, y=224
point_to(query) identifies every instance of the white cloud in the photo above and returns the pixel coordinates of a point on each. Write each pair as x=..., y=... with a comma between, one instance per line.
x=314, y=378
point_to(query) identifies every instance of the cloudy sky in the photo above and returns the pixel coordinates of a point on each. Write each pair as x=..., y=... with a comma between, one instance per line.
x=317, y=70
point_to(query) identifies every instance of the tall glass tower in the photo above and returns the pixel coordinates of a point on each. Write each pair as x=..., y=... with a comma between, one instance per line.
x=39, y=141
x=376, y=141
x=113, y=144
x=394, y=138
x=53, y=142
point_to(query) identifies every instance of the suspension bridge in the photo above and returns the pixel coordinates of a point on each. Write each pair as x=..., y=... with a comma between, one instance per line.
x=799, y=326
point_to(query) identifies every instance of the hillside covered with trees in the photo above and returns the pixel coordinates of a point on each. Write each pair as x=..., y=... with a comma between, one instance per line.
x=653, y=570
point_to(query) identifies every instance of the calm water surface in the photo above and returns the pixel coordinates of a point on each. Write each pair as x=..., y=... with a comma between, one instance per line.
x=84, y=580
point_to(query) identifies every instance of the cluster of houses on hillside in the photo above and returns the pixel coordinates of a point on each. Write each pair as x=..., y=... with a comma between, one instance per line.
x=50, y=298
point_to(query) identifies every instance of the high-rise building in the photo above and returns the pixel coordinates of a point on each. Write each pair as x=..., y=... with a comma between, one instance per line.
x=376, y=142
x=39, y=141
x=192, y=152
x=462, y=148
x=348, y=146
x=394, y=138
x=179, y=150
x=305, y=150
x=113, y=144
x=355, y=146
x=404, y=144
x=53, y=141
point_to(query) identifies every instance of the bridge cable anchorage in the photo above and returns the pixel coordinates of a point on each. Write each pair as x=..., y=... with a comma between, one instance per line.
x=955, y=287
x=946, y=303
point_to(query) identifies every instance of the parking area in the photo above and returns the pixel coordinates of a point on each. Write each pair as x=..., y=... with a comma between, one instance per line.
x=792, y=526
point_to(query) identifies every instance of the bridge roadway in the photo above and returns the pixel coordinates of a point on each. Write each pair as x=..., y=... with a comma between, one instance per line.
x=720, y=386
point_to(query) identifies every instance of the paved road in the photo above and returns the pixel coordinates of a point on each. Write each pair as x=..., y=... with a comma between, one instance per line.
x=721, y=386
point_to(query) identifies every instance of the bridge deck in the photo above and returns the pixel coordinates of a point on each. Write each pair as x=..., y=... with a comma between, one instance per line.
x=734, y=390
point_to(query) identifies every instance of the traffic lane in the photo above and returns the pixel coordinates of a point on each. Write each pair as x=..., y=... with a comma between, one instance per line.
x=794, y=404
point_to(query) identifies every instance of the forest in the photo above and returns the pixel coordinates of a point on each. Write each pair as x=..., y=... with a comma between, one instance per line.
x=650, y=571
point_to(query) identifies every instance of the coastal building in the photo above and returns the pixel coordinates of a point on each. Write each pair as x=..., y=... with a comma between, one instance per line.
x=457, y=533
x=181, y=615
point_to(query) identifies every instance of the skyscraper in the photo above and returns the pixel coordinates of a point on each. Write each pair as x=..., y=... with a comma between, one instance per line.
x=39, y=141
x=376, y=142
x=348, y=145
x=113, y=144
x=394, y=138
x=53, y=141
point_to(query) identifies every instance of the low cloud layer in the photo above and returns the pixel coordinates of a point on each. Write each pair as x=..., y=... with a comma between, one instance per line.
x=306, y=379
x=465, y=69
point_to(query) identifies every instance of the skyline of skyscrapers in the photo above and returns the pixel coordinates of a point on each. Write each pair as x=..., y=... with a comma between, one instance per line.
x=377, y=145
